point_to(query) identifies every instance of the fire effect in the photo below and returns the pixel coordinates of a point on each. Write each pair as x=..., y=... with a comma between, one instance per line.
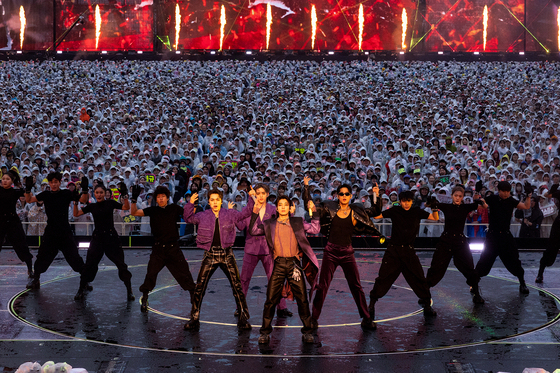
x=485, y=25
x=222, y=26
x=313, y=26
x=558, y=21
x=268, y=22
x=404, y=27
x=23, y=23
x=361, y=27
x=177, y=25
x=97, y=25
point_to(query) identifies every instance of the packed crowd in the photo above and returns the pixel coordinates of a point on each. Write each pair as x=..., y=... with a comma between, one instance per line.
x=193, y=126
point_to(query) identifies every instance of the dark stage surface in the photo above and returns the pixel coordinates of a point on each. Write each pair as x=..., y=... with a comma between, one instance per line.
x=104, y=333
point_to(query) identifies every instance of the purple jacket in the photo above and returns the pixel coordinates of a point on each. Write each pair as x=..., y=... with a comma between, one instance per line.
x=309, y=261
x=206, y=221
x=256, y=245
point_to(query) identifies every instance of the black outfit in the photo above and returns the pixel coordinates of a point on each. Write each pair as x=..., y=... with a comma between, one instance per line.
x=453, y=244
x=10, y=225
x=499, y=240
x=400, y=256
x=58, y=233
x=549, y=256
x=535, y=218
x=105, y=240
x=166, y=251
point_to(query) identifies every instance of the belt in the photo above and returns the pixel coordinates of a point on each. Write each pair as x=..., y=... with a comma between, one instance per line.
x=220, y=248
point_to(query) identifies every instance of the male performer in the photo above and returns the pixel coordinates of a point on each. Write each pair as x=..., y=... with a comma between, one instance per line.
x=400, y=256
x=499, y=240
x=256, y=248
x=285, y=237
x=454, y=244
x=216, y=235
x=58, y=234
x=166, y=251
x=549, y=256
x=339, y=220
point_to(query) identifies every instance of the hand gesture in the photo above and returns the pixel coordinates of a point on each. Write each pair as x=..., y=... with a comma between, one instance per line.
x=306, y=180
x=230, y=205
x=84, y=183
x=252, y=192
x=194, y=198
x=292, y=209
x=311, y=206
x=257, y=208
x=136, y=190
x=375, y=189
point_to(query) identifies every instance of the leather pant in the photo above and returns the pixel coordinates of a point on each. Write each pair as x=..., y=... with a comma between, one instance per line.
x=224, y=259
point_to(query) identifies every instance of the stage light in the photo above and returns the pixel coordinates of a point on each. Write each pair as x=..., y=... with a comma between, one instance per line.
x=331, y=53
x=268, y=23
x=19, y=52
x=23, y=23
x=401, y=52
x=361, y=26
x=440, y=52
x=212, y=52
x=103, y=52
x=476, y=53
x=139, y=52
x=521, y=53
x=83, y=245
x=248, y=52
x=485, y=27
x=97, y=26
x=177, y=25
x=366, y=53
x=478, y=247
x=313, y=26
x=222, y=25
x=58, y=52
x=177, y=52
x=404, y=27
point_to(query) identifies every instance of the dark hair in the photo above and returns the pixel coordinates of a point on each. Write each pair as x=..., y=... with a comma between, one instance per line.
x=216, y=191
x=263, y=186
x=504, y=186
x=458, y=188
x=283, y=197
x=54, y=175
x=97, y=186
x=161, y=190
x=407, y=195
x=14, y=176
x=348, y=187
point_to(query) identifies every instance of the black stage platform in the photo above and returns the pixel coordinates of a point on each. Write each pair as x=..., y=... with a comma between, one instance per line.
x=104, y=333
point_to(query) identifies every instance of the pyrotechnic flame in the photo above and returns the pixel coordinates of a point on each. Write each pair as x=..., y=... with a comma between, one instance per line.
x=177, y=25
x=23, y=23
x=404, y=26
x=222, y=26
x=361, y=29
x=313, y=26
x=558, y=22
x=97, y=25
x=268, y=23
x=485, y=24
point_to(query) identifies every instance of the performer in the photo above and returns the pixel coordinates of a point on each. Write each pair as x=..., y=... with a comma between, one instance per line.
x=549, y=256
x=454, y=244
x=256, y=247
x=400, y=256
x=166, y=251
x=216, y=235
x=285, y=237
x=105, y=239
x=339, y=221
x=531, y=223
x=58, y=233
x=499, y=240
x=10, y=224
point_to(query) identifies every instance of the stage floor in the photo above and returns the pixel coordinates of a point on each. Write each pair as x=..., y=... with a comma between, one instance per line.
x=105, y=333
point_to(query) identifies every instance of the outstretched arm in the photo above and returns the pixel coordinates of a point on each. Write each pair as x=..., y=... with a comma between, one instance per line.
x=77, y=211
x=188, y=211
x=527, y=204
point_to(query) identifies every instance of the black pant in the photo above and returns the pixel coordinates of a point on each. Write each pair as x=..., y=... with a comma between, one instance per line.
x=106, y=242
x=396, y=260
x=500, y=244
x=12, y=228
x=457, y=247
x=283, y=269
x=53, y=240
x=549, y=256
x=225, y=260
x=170, y=256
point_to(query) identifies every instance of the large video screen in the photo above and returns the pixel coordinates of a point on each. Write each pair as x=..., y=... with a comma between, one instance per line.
x=395, y=25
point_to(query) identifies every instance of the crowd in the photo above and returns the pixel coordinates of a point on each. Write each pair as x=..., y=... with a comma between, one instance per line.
x=193, y=126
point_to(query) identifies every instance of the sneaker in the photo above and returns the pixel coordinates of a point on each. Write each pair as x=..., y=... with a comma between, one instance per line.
x=368, y=324
x=144, y=303
x=539, y=279
x=33, y=283
x=307, y=338
x=284, y=313
x=192, y=325
x=429, y=311
x=523, y=289
x=264, y=339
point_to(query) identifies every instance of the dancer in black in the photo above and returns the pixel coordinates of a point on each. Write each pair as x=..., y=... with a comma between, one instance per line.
x=104, y=240
x=10, y=225
x=400, y=256
x=454, y=244
x=499, y=240
x=549, y=256
x=166, y=251
x=58, y=233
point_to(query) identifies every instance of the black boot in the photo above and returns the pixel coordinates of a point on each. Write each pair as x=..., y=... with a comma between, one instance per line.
x=29, y=268
x=523, y=289
x=243, y=323
x=193, y=324
x=129, y=294
x=144, y=302
x=82, y=291
x=34, y=282
x=477, y=298
x=368, y=324
x=539, y=279
x=284, y=313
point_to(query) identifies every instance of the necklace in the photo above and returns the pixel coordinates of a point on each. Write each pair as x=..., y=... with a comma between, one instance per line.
x=284, y=222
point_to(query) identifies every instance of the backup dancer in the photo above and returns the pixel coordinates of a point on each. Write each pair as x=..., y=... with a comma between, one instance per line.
x=549, y=256
x=499, y=240
x=400, y=256
x=104, y=239
x=285, y=237
x=256, y=247
x=166, y=251
x=58, y=233
x=339, y=221
x=10, y=225
x=454, y=244
x=216, y=235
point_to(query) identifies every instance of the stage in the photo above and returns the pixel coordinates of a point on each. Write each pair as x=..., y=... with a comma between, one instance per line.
x=105, y=333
